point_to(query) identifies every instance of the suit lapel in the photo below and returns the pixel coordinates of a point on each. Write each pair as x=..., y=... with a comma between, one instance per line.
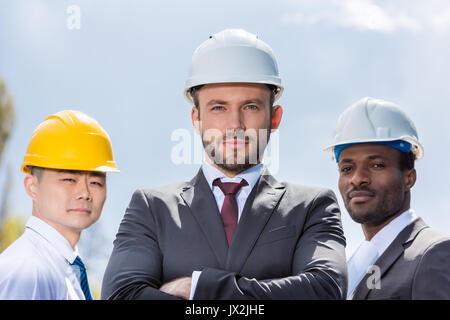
x=200, y=200
x=392, y=253
x=257, y=210
x=384, y=262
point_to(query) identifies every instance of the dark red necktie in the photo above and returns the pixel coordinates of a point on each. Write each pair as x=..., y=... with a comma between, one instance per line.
x=229, y=212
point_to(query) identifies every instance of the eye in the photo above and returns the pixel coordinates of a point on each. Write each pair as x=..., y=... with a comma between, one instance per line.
x=345, y=169
x=251, y=107
x=68, y=179
x=378, y=165
x=217, y=108
x=97, y=183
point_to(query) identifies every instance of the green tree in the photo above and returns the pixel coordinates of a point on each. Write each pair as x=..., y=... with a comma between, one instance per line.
x=11, y=227
x=6, y=115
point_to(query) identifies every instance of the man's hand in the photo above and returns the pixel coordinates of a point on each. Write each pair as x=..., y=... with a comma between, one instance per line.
x=180, y=287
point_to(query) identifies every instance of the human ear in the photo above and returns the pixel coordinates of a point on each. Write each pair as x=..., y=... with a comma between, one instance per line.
x=31, y=185
x=195, y=116
x=277, y=113
x=410, y=177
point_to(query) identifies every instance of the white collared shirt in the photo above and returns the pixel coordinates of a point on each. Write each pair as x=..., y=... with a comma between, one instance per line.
x=369, y=251
x=38, y=266
x=251, y=175
x=383, y=238
x=211, y=173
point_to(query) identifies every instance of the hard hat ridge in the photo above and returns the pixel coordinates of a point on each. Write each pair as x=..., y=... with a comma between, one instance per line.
x=70, y=140
x=233, y=55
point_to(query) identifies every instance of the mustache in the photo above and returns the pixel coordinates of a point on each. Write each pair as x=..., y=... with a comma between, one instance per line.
x=363, y=189
x=239, y=135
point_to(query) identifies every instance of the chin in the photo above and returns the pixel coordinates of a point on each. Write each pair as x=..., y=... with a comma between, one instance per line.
x=362, y=216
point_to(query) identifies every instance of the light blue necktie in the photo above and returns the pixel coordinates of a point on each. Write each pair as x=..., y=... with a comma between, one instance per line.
x=357, y=265
x=83, y=278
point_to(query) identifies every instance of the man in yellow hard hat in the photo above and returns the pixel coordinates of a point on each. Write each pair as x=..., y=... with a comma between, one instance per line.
x=66, y=164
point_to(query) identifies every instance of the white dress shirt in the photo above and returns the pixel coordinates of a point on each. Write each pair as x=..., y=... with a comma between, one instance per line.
x=369, y=251
x=38, y=266
x=251, y=175
x=211, y=173
x=383, y=238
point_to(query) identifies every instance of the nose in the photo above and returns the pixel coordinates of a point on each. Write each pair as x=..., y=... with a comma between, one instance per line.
x=83, y=191
x=235, y=120
x=360, y=177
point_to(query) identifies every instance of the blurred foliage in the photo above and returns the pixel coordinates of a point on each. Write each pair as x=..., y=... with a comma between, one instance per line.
x=6, y=115
x=11, y=228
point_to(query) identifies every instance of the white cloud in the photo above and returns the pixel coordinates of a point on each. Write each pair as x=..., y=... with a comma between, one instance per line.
x=365, y=15
x=381, y=16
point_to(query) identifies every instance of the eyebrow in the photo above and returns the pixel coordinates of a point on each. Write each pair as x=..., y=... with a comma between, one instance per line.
x=371, y=157
x=256, y=100
x=215, y=101
x=223, y=102
x=79, y=172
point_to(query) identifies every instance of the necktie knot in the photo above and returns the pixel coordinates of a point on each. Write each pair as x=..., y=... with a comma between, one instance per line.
x=229, y=188
x=79, y=263
x=83, y=278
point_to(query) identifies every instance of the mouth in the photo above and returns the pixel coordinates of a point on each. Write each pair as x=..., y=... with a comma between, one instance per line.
x=80, y=210
x=235, y=143
x=360, y=196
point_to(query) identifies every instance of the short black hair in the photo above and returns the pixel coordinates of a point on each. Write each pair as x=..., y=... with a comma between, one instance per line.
x=407, y=160
x=36, y=171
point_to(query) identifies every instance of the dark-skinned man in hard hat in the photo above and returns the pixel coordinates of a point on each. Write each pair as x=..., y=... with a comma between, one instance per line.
x=234, y=231
x=66, y=163
x=375, y=147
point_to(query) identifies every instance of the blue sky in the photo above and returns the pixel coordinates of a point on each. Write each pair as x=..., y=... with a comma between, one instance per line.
x=127, y=64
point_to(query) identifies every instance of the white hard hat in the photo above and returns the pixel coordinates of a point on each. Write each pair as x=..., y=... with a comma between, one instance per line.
x=376, y=121
x=233, y=55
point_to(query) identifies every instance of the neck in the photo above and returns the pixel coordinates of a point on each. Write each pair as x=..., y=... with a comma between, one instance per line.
x=72, y=236
x=371, y=229
x=229, y=173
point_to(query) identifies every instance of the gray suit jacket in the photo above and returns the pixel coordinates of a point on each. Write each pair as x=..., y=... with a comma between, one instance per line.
x=416, y=265
x=289, y=244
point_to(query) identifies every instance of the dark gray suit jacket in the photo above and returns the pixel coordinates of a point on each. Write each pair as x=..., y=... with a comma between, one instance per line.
x=289, y=244
x=416, y=265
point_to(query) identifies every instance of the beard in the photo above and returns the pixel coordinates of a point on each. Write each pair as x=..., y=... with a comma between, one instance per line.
x=388, y=204
x=248, y=153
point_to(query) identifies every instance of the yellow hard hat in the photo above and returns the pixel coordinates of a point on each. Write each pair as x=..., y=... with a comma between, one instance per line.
x=70, y=140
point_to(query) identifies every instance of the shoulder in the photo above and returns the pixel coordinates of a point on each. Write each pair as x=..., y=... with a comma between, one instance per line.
x=165, y=190
x=314, y=202
x=429, y=248
x=432, y=276
x=308, y=194
x=428, y=241
x=435, y=243
x=164, y=193
x=23, y=272
x=167, y=193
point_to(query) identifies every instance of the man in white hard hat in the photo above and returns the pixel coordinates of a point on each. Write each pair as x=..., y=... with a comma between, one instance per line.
x=233, y=231
x=375, y=146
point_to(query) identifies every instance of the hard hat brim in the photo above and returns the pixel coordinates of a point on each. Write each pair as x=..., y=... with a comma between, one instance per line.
x=416, y=147
x=189, y=98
